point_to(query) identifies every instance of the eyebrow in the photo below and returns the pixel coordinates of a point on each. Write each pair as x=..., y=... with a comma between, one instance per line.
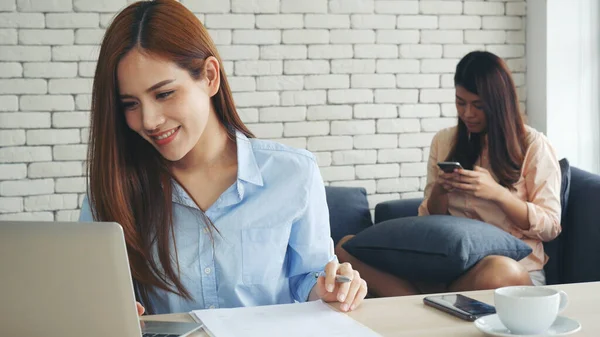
x=152, y=88
x=475, y=101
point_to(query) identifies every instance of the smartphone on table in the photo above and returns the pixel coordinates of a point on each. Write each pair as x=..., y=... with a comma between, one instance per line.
x=449, y=166
x=460, y=306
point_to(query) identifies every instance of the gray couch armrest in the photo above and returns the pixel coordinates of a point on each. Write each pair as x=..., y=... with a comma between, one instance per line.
x=393, y=209
x=581, y=230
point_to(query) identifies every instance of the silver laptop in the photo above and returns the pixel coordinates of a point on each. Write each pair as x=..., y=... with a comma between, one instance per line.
x=62, y=279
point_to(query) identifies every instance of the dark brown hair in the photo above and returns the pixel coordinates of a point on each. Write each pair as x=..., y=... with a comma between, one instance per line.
x=130, y=182
x=486, y=75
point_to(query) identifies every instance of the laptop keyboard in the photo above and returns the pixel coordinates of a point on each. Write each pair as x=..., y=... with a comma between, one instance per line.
x=158, y=335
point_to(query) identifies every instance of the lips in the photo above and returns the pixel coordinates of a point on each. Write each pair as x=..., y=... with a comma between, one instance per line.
x=165, y=137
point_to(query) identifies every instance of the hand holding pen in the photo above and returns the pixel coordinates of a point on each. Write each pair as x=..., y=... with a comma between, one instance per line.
x=340, y=283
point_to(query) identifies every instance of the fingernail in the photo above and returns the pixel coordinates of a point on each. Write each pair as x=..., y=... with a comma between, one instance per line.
x=341, y=297
x=344, y=307
x=329, y=287
x=353, y=307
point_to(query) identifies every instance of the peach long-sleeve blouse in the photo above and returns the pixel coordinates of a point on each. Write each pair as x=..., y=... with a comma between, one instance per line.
x=538, y=186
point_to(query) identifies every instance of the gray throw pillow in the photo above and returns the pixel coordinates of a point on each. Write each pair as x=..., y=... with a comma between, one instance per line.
x=437, y=248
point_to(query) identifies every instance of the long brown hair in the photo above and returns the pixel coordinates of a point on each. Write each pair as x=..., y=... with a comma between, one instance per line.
x=486, y=75
x=130, y=182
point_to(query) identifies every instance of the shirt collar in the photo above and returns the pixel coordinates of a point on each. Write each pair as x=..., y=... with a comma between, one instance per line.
x=248, y=171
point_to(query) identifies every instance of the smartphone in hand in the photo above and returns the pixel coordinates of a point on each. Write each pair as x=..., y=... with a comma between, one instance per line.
x=461, y=306
x=449, y=166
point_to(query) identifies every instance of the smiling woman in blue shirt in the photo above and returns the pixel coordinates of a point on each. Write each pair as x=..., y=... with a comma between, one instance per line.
x=212, y=217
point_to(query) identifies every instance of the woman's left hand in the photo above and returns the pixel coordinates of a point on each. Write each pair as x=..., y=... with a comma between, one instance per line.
x=478, y=182
x=349, y=294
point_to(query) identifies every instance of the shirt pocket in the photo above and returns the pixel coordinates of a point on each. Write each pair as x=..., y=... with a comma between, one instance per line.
x=263, y=254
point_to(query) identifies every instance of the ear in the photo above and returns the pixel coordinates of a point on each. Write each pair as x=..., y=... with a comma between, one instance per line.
x=212, y=75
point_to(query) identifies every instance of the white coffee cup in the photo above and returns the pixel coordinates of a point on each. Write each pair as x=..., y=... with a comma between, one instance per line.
x=528, y=310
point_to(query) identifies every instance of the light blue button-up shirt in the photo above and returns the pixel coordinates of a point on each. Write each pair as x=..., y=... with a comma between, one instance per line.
x=274, y=233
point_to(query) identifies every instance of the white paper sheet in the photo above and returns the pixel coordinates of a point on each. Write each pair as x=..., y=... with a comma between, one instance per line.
x=288, y=320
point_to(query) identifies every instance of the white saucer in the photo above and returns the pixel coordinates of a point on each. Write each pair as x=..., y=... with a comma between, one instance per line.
x=492, y=326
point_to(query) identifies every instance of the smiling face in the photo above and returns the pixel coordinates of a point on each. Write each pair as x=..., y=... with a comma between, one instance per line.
x=163, y=103
x=470, y=110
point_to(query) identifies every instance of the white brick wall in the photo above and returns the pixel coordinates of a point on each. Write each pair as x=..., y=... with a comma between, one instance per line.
x=363, y=84
x=397, y=7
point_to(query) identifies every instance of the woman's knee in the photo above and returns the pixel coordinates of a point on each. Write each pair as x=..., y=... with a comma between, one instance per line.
x=340, y=252
x=500, y=271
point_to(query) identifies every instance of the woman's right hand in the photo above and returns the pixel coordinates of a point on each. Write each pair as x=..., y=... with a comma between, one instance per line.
x=444, y=181
x=438, y=199
x=140, y=308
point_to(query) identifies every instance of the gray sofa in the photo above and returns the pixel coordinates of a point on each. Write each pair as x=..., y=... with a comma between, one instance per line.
x=574, y=255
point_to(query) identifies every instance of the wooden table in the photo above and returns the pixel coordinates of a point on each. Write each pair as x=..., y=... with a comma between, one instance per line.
x=408, y=316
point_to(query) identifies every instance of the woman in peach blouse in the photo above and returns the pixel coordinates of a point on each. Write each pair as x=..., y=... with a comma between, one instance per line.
x=511, y=180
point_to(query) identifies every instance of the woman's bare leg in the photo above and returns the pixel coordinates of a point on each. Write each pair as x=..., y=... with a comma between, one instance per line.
x=380, y=284
x=492, y=272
